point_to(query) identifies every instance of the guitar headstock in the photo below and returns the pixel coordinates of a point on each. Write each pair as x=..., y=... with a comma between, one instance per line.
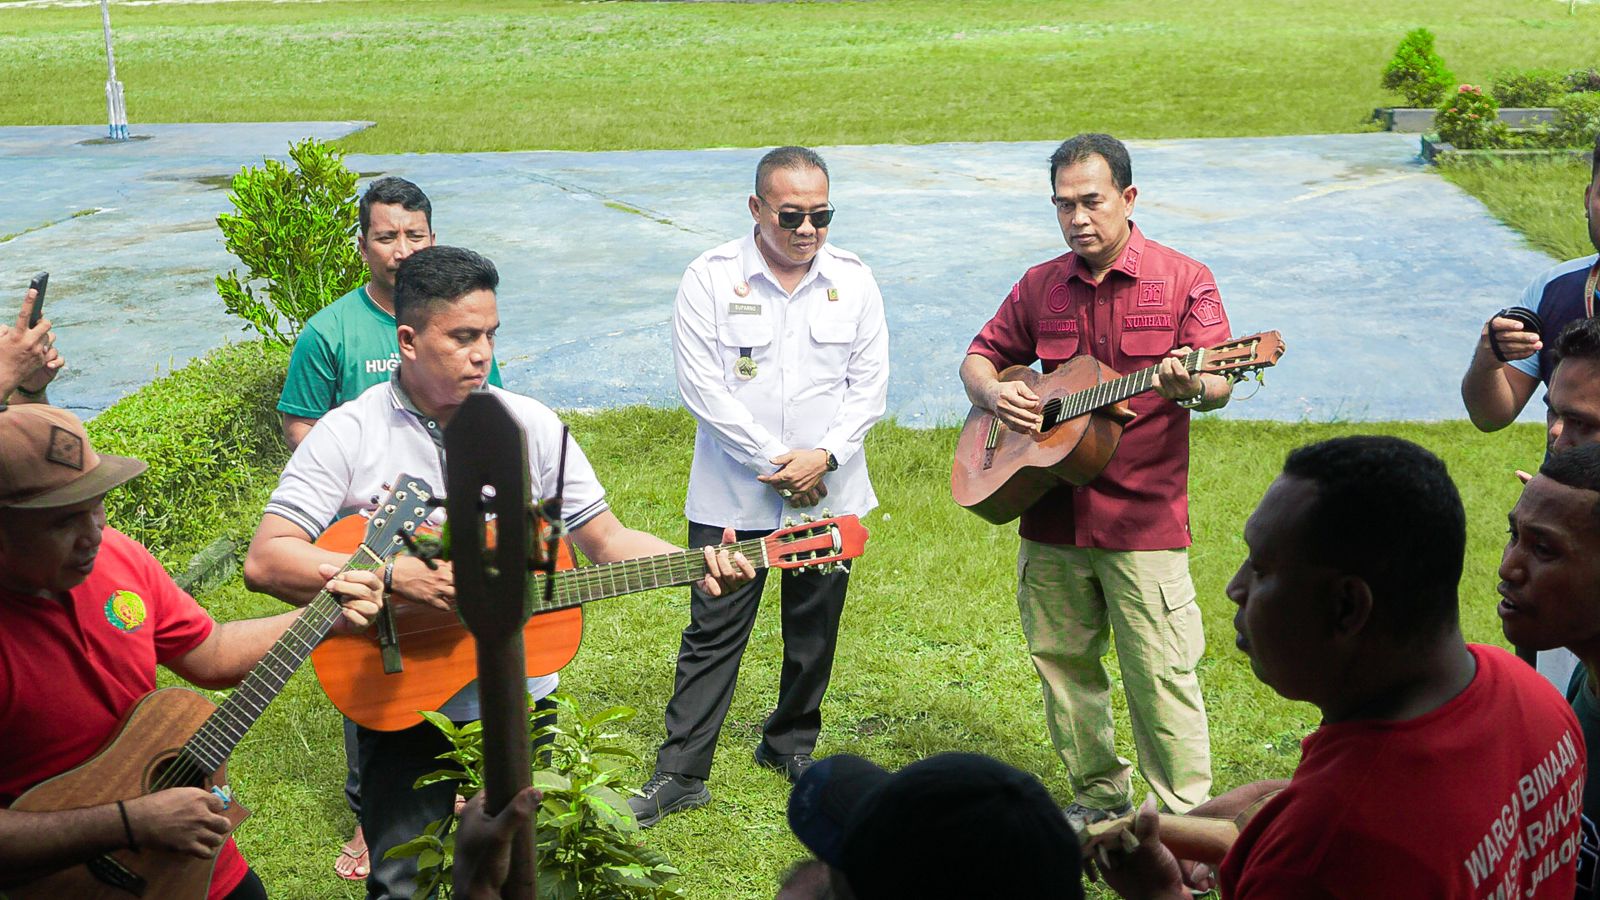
x=391, y=525
x=1239, y=357
x=816, y=543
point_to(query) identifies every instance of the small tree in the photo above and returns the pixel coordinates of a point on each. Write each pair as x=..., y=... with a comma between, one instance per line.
x=1416, y=72
x=294, y=230
x=588, y=838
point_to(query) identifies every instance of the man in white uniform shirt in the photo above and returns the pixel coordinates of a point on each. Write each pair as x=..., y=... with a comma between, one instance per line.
x=783, y=357
x=446, y=318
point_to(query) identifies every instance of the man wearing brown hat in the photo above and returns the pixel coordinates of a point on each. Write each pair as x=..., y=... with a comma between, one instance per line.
x=86, y=614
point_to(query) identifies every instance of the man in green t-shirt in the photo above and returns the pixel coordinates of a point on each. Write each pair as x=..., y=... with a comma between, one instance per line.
x=346, y=348
x=350, y=345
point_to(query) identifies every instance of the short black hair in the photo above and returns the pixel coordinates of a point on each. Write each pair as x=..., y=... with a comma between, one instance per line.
x=1387, y=511
x=394, y=191
x=1080, y=147
x=1576, y=467
x=786, y=158
x=1579, y=340
x=437, y=276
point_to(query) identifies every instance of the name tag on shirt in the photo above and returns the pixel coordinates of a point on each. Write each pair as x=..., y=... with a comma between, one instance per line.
x=744, y=309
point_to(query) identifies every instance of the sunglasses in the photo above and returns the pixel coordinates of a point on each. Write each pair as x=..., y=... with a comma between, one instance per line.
x=789, y=220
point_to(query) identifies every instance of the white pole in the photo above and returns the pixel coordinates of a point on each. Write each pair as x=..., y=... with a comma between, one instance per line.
x=116, y=108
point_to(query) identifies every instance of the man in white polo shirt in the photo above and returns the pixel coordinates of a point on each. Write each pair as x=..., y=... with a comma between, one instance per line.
x=783, y=357
x=446, y=316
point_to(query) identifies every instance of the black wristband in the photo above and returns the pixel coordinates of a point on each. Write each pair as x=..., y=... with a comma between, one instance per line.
x=127, y=827
x=32, y=395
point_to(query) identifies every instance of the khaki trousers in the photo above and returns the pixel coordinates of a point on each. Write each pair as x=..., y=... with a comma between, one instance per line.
x=1073, y=601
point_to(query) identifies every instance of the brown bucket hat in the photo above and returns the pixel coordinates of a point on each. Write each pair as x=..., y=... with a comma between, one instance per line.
x=46, y=460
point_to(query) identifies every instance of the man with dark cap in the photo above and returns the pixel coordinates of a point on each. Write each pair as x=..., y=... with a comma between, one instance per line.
x=86, y=614
x=893, y=835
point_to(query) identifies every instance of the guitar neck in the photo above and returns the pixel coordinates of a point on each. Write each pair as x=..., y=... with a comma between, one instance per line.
x=216, y=738
x=574, y=587
x=1108, y=392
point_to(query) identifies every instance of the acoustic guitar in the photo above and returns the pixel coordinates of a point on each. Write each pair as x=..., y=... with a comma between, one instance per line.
x=439, y=657
x=175, y=737
x=999, y=473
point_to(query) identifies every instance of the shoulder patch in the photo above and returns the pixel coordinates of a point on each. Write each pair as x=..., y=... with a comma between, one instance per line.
x=1208, y=310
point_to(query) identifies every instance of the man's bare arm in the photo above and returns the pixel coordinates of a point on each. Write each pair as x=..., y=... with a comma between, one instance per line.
x=1494, y=392
x=295, y=429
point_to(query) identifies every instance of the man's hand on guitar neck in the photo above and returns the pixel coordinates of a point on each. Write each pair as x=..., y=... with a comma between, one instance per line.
x=360, y=592
x=183, y=820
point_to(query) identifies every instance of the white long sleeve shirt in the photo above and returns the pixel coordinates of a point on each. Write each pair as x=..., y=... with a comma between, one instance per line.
x=821, y=379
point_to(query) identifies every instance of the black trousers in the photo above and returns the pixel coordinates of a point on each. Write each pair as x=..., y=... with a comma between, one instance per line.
x=392, y=811
x=713, y=644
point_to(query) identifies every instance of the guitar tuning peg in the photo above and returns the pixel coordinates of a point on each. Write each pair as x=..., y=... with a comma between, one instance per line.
x=788, y=522
x=807, y=518
x=827, y=513
x=374, y=499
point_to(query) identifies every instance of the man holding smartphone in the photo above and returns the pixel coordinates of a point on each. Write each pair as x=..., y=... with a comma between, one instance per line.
x=29, y=360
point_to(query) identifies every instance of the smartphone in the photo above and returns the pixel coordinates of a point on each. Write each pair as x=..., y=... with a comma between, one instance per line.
x=39, y=283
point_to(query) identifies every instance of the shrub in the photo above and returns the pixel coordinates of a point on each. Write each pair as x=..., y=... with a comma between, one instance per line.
x=210, y=434
x=588, y=849
x=1522, y=89
x=294, y=231
x=1581, y=80
x=1577, y=121
x=1470, y=120
x=1416, y=72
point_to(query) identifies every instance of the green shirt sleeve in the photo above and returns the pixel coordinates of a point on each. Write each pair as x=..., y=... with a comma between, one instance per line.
x=312, y=382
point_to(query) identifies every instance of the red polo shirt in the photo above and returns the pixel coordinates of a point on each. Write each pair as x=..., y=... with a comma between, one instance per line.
x=69, y=671
x=1153, y=300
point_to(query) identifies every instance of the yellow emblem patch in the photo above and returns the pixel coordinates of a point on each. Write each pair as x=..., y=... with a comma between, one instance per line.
x=125, y=611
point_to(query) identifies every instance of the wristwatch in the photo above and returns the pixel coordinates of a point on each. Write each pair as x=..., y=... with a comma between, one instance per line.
x=1195, y=401
x=833, y=463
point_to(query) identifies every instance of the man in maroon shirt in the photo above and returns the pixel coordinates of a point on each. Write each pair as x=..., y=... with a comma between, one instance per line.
x=1112, y=555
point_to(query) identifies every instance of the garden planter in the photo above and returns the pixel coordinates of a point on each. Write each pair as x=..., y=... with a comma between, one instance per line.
x=1410, y=120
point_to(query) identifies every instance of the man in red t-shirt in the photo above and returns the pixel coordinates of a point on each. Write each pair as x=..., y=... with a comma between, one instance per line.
x=1440, y=769
x=1112, y=554
x=86, y=614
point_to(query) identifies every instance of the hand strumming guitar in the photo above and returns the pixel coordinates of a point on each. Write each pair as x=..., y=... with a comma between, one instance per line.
x=184, y=820
x=414, y=581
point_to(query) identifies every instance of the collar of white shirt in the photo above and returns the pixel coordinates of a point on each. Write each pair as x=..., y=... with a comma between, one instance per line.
x=752, y=264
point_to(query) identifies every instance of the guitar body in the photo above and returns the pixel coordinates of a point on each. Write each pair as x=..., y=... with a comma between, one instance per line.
x=150, y=736
x=1000, y=478
x=440, y=656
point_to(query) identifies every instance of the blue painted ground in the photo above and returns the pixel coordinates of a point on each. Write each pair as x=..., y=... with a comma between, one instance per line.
x=1378, y=272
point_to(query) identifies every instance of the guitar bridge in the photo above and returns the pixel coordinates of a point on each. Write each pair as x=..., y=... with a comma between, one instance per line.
x=991, y=442
x=117, y=875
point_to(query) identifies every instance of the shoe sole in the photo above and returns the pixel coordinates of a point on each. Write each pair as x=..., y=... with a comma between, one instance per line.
x=688, y=801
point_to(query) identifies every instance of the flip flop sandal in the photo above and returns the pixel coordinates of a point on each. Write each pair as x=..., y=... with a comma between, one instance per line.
x=360, y=860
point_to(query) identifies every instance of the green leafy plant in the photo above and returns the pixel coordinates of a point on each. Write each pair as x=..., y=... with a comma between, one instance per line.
x=294, y=230
x=1581, y=80
x=1524, y=89
x=1577, y=121
x=1417, y=72
x=588, y=838
x=1470, y=120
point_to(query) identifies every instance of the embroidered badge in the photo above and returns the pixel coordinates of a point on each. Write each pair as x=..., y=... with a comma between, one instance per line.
x=1208, y=310
x=833, y=295
x=1058, y=298
x=125, y=611
x=1058, y=326
x=744, y=309
x=1137, y=323
x=1152, y=293
x=65, y=449
x=742, y=289
x=745, y=368
x=1130, y=261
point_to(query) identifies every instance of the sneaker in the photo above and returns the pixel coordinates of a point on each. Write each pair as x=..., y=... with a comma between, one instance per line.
x=1080, y=816
x=792, y=766
x=666, y=793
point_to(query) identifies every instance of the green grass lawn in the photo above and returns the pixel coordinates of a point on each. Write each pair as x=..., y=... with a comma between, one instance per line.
x=1543, y=200
x=931, y=656
x=486, y=75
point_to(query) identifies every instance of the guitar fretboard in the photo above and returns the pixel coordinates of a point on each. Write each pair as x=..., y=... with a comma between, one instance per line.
x=215, y=740
x=1060, y=409
x=574, y=587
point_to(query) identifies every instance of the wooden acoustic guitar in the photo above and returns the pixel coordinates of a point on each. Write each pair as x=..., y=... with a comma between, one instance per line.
x=175, y=737
x=439, y=656
x=999, y=473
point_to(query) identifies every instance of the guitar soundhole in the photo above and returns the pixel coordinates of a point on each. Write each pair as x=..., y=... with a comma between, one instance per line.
x=173, y=771
x=1051, y=414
